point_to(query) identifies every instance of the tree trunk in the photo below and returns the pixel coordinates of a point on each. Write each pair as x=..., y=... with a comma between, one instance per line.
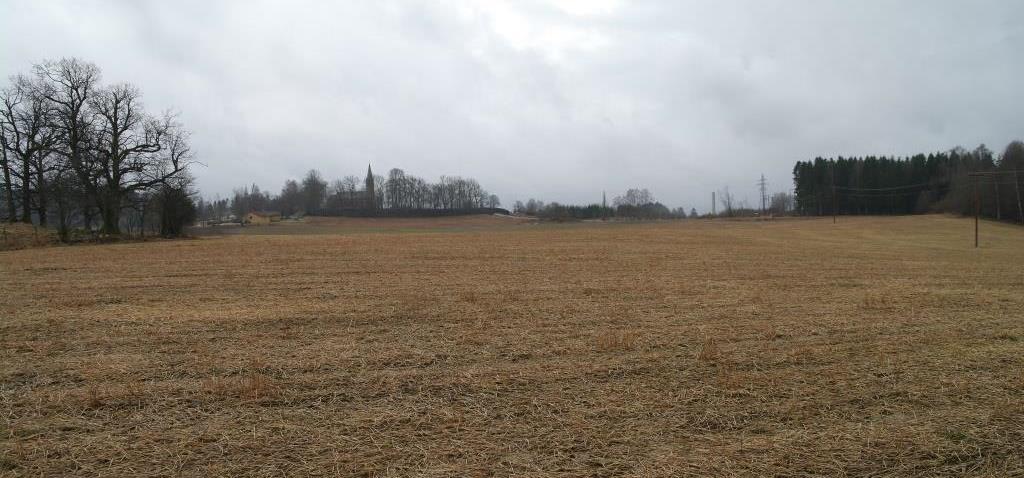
x=142, y=221
x=62, y=218
x=87, y=218
x=41, y=196
x=26, y=192
x=111, y=211
x=12, y=213
x=111, y=220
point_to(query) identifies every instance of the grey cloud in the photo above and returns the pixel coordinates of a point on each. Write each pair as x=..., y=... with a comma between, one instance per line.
x=542, y=99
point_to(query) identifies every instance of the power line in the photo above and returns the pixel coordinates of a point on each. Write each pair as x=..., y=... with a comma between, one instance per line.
x=894, y=188
x=886, y=195
x=996, y=173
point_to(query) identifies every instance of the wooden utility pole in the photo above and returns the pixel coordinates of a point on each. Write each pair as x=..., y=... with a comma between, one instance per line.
x=977, y=195
x=714, y=212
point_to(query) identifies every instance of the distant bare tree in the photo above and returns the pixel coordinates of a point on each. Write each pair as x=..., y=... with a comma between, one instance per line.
x=175, y=207
x=351, y=185
x=727, y=200
x=314, y=191
x=396, y=189
x=781, y=203
x=399, y=193
x=290, y=199
x=634, y=197
x=533, y=206
x=351, y=182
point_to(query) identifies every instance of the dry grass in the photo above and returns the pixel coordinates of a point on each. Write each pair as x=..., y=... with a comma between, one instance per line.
x=616, y=340
x=872, y=347
x=22, y=236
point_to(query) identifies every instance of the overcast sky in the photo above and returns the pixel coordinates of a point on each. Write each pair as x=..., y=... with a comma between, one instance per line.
x=553, y=99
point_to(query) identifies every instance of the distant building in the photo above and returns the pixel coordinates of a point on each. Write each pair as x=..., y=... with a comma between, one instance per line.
x=364, y=201
x=371, y=191
x=261, y=218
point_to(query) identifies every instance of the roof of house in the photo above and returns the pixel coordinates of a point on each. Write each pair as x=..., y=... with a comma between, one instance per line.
x=265, y=213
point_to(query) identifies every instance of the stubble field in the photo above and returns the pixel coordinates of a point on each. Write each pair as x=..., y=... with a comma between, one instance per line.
x=876, y=346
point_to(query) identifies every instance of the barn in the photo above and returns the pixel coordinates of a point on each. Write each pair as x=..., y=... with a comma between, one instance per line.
x=262, y=218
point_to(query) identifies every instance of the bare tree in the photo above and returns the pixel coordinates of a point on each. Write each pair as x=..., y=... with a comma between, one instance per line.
x=342, y=193
x=726, y=198
x=87, y=150
x=69, y=199
x=533, y=206
x=395, y=189
x=314, y=191
x=136, y=152
x=290, y=199
x=5, y=165
x=399, y=191
x=71, y=83
x=781, y=203
x=29, y=138
x=634, y=197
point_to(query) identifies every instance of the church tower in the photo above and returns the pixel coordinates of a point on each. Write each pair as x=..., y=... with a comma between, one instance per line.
x=371, y=192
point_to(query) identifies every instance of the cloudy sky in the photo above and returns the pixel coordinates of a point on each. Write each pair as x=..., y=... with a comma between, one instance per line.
x=553, y=99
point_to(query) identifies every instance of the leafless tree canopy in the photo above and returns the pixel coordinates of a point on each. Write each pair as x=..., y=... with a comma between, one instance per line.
x=86, y=151
x=398, y=193
x=634, y=197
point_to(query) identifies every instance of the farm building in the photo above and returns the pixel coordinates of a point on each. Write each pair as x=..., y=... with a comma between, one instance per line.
x=260, y=218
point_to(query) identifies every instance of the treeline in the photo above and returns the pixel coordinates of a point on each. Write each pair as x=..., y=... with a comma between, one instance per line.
x=397, y=194
x=405, y=191
x=921, y=183
x=81, y=155
x=772, y=205
x=635, y=204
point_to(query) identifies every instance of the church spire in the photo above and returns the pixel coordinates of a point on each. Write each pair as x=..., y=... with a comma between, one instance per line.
x=371, y=192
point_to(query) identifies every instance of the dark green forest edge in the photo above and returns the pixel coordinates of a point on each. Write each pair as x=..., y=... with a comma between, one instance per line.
x=956, y=181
